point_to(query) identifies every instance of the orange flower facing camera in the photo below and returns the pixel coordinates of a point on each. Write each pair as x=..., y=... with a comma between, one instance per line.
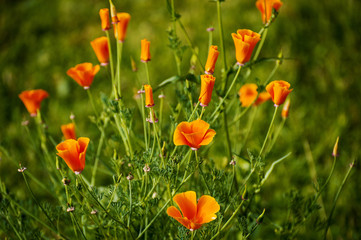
x=83, y=74
x=122, y=25
x=266, y=6
x=193, y=215
x=101, y=49
x=244, y=41
x=279, y=91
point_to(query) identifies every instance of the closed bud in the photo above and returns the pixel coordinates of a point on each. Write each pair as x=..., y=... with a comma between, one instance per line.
x=134, y=65
x=211, y=60
x=149, y=102
x=245, y=194
x=260, y=217
x=285, y=109
x=104, y=17
x=113, y=12
x=335, y=148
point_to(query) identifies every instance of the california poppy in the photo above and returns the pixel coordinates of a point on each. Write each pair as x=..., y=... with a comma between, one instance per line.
x=286, y=109
x=101, y=49
x=73, y=152
x=266, y=6
x=32, y=100
x=145, y=53
x=149, y=102
x=194, y=134
x=207, y=84
x=279, y=91
x=122, y=24
x=211, y=60
x=193, y=215
x=83, y=74
x=248, y=94
x=244, y=41
x=68, y=131
x=104, y=17
x=262, y=97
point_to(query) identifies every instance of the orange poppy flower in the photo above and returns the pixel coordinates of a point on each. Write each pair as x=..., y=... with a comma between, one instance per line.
x=83, y=74
x=211, y=60
x=286, y=108
x=279, y=91
x=68, y=131
x=194, y=134
x=244, y=41
x=32, y=100
x=123, y=20
x=194, y=214
x=262, y=97
x=145, y=54
x=247, y=94
x=149, y=102
x=104, y=17
x=266, y=6
x=207, y=83
x=73, y=152
x=101, y=49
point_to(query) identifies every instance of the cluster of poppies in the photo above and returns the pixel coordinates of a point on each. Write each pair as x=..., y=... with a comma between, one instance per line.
x=193, y=134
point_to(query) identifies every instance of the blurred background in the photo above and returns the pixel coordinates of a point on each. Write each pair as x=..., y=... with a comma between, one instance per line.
x=40, y=40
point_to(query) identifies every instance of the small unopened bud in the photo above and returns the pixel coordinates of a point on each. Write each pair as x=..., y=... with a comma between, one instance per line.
x=141, y=91
x=161, y=96
x=232, y=162
x=146, y=168
x=70, y=209
x=285, y=109
x=260, y=218
x=210, y=29
x=66, y=181
x=245, y=193
x=152, y=119
x=335, y=148
x=134, y=65
x=154, y=195
x=57, y=163
x=130, y=165
x=130, y=177
x=72, y=116
x=93, y=212
x=113, y=12
x=21, y=169
x=25, y=123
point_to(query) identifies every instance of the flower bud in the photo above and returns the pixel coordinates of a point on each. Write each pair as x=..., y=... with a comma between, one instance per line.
x=245, y=193
x=104, y=17
x=335, y=148
x=286, y=109
x=211, y=60
x=149, y=102
x=260, y=218
x=145, y=53
x=130, y=177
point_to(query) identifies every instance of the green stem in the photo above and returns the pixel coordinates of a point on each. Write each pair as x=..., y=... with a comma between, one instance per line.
x=73, y=218
x=130, y=203
x=201, y=172
x=229, y=144
x=227, y=93
x=119, y=61
x=336, y=198
x=276, y=135
x=95, y=167
x=92, y=102
x=144, y=123
x=268, y=132
x=220, y=25
x=111, y=63
x=264, y=35
x=203, y=109
x=147, y=72
x=229, y=220
x=194, y=110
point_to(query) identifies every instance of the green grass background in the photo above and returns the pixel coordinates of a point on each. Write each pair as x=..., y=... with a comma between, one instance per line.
x=41, y=39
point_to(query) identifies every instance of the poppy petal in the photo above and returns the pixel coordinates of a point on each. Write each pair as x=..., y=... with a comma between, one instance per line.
x=178, y=137
x=208, y=137
x=187, y=202
x=206, y=209
x=174, y=212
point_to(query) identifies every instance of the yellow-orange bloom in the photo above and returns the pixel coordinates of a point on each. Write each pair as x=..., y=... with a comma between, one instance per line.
x=266, y=6
x=83, y=74
x=73, y=152
x=194, y=214
x=101, y=49
x=207, y=83
x=149, y=102
x=211, y=60
x=279, y=91
x=122, y=24
x=247, y=94
x=286, y=108
x=262, y=97
x=194, y=134
x=145, y=53
x=244, y=41
x=104, y=17
x=68, y=131
x=32, y=100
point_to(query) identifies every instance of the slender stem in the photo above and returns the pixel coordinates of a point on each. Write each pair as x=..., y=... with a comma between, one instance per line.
x=229, y=144
x=236, y=119
x=95, y=167
x=92, y=102
x=227, y=93
x=144, y=123
x=119, y=61
x=270, y=76
x=264, y=35
x=174, y=19
x=130, y=203
x=14, y=229
x=232, y=180
x=147, y=72
x=201, y=172
x=77, y=224
x=229, y=220
x=111, y=62
x=194, y=110
x=276, y=135
x=203, y=109
x=220, y=25
x=336, y=198
x=268, y=132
